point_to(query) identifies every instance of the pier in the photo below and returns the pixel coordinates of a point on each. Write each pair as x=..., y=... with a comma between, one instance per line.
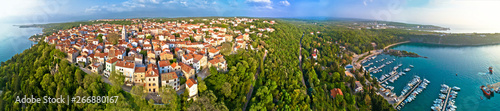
x=494, y=86
x=446, y=101
x=403, y=97
x=392, y=75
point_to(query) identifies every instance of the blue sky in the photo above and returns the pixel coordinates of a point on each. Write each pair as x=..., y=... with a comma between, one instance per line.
x=448, y=13
x=93, y=9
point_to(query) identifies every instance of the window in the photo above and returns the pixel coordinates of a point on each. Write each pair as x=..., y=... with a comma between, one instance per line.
x=149, y=84
x=153, y=79
x=149, y=79
x=149, y=90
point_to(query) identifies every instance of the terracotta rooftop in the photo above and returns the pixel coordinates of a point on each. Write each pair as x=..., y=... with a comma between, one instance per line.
x=336, y=91
x=186, y=67
x=168, y=76
x=125, y=64
x=163, y=63
x=213, y=50
x=113, y=60
x=140, y=69
x=190, y=82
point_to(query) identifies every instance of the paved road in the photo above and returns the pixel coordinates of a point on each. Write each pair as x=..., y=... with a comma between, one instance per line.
x=249, y=94
x=300, y=60
x=300, y=66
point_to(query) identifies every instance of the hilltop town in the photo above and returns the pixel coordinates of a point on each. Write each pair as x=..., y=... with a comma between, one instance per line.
x=157, y=54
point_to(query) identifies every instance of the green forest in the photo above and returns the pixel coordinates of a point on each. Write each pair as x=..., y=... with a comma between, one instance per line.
x=40, y=71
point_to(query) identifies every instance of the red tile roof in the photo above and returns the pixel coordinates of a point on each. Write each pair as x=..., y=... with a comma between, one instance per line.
x=336, y=91
x=168, y=76
x=125, y=64
x=140, y=69
x=163, y=63
x=190, y=82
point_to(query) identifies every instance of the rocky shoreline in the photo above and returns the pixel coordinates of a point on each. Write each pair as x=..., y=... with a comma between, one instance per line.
x=400, y=53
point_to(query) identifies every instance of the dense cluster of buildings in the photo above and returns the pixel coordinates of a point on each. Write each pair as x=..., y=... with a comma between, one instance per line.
x=153, y=54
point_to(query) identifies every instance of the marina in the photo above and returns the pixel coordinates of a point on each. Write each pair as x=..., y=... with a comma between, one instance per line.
x=449, y=99
x=409, y=93
x=441, y=66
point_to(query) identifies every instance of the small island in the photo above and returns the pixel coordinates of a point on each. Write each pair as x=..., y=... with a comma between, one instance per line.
x=401, y=53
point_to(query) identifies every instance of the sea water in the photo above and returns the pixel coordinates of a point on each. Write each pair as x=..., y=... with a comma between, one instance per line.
x=462, y=66
x=14, y=40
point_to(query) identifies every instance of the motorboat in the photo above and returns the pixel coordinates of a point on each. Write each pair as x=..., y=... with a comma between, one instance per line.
x=444, y=86
x=456, y=88
x=442, y=96
x=427, y=81
x=407, y=69
x=485, y=90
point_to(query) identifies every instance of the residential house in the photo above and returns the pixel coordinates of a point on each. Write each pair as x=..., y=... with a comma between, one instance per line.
x=166, y=55
x=192, y=87
x=358, y=87
x=187, y=59
x=199, y=61
x=187, y=70
x=110, y=66
x=72, y=54
x=212, y=52
x=96, y=68
x=175, y=67
x=336, y=91
x=170, y=79
x=164, y=66
x=82, y=59
x=127, y=69
x=139, y=75
x=151, y=80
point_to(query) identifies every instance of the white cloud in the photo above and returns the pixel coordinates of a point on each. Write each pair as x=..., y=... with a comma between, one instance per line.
x=260, y=4
x=93, y=9
x=259, y=1
x=184, y=3
x=285, y=3
x=124, y=6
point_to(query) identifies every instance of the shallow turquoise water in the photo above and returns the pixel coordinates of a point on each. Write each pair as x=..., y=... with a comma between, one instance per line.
x=14, y=40
x=469, y=62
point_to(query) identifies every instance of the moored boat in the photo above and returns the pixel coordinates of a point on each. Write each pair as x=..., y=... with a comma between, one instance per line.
x=485, y=90
x=407, y=69
x=491, y=69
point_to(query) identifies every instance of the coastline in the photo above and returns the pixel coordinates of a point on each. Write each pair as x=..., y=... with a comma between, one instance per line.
x=458, y=45
x=379, y=51
x=356, y=62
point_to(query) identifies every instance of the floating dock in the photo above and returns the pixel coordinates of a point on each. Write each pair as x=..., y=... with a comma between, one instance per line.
x=446, y=100
x=403, y=97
